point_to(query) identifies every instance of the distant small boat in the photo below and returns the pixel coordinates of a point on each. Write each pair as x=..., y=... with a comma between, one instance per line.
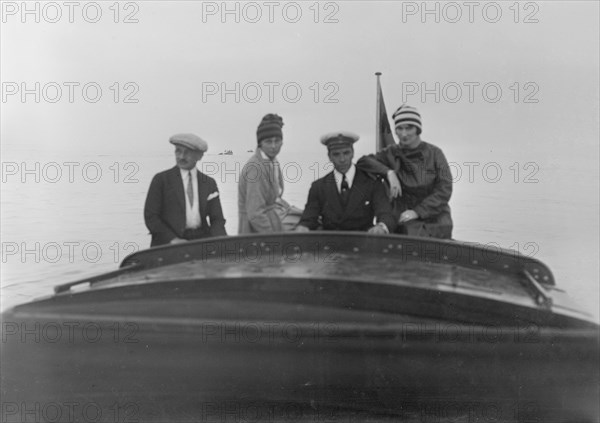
x=226, y=153
x=250, y=151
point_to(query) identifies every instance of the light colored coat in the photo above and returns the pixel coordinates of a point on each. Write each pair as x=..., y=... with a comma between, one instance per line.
x=259, y=202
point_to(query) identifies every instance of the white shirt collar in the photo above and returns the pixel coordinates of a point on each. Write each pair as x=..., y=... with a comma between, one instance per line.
x=265, y=157
x=184, y=173
x=349, y=177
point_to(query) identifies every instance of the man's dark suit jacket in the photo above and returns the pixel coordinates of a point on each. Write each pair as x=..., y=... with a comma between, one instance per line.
x=367, y=199
x=164, y=212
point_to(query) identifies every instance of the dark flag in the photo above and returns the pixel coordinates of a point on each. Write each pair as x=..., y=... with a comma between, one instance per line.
x=384, y=135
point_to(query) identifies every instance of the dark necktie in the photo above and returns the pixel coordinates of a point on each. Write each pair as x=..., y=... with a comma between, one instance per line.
x=345, y=190
x=190, y=189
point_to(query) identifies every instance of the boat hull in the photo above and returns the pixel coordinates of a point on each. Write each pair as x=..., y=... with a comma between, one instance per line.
x=306, y=328
x=156, y=367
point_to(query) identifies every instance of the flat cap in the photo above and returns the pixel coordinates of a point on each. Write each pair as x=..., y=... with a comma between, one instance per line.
x=191, y=141
x=339, y=139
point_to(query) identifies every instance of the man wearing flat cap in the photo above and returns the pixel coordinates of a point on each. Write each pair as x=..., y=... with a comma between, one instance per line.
x=261, y=207
x=183, y=203
x=346, y=199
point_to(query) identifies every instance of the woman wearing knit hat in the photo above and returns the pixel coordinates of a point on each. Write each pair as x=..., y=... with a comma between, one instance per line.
x=260, y=205
x=419, y=178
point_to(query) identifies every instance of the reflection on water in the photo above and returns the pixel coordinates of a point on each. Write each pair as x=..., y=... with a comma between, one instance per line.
x=84, y=214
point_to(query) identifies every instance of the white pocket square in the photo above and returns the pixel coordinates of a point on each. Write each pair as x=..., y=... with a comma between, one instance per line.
x=213, y=195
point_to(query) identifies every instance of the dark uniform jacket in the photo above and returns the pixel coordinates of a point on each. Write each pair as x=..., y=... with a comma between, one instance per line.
x=426, y=183
x=164, y=212
x=367, y=199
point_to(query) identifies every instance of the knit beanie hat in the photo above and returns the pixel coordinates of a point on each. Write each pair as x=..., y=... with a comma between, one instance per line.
x=407, y=115
x=270, y=126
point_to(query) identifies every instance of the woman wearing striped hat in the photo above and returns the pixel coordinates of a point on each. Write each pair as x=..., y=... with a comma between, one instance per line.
x=419, y=178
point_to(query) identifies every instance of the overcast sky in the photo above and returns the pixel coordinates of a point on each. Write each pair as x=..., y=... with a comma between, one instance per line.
x=540, y=74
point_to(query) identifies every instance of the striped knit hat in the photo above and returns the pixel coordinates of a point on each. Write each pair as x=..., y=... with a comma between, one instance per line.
x=407, y=115
x=269, y=126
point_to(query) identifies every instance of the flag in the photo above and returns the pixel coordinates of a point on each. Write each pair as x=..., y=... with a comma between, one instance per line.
x=384, y=135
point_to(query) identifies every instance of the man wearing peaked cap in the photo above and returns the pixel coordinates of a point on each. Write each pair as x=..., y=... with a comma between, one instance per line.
x=346, y=199
x=339, y=139
x=182, y=202
x=261, y=207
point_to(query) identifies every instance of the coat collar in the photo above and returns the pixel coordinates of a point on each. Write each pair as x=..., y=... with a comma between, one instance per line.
x=267, y=164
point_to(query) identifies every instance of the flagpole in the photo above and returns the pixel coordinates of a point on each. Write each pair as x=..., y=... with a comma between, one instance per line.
x=377, y=114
